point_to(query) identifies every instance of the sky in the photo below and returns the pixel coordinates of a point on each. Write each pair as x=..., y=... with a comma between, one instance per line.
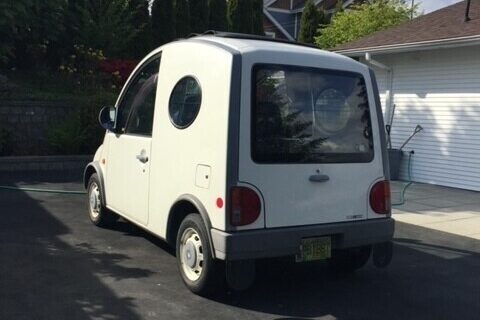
x=431, y=5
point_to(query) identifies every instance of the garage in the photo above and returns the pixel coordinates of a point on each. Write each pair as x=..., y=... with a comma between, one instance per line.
x=428, y=73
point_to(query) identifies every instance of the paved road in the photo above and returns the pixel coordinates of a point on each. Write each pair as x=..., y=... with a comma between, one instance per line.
x=54, y=264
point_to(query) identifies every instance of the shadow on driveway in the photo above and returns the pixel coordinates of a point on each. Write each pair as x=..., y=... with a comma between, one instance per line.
x=43, y=277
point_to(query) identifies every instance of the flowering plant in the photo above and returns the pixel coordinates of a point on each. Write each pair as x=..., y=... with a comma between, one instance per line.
x=119, y=69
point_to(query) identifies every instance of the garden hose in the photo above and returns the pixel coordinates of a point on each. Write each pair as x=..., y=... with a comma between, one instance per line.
x=405, y=187
x=41, y=190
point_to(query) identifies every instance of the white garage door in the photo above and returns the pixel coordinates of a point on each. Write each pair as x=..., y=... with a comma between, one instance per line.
x=440, y=90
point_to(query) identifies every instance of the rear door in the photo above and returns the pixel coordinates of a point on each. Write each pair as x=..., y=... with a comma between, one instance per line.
x=311, y=145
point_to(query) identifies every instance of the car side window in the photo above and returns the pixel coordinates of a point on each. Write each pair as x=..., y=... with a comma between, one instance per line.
x=138, y=103
x=185, y=102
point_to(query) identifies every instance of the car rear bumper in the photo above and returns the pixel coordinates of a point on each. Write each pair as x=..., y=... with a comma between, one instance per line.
x=268, y=243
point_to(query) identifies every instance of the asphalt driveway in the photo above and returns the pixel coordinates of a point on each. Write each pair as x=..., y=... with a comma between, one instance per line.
x=54, y=264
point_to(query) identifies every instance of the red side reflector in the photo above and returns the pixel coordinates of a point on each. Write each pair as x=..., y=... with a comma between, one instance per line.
x=380, y=197
x=219, y=203
x=244, y=206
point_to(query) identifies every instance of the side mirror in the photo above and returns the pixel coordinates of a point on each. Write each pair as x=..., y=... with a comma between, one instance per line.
x=107, y=118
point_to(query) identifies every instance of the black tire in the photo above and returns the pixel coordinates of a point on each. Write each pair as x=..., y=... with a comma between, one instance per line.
x=99, y=215
x=349, y=260
x=211, y=278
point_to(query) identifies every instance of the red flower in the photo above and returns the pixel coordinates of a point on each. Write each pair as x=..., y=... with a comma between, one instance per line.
x=124, y=67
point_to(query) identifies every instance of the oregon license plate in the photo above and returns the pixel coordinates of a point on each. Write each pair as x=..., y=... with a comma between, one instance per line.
x=314, y=249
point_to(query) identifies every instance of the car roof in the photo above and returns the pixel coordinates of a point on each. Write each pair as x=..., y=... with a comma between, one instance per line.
x=250, y=43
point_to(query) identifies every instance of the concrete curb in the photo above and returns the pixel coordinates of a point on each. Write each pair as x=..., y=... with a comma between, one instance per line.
x=44, y=163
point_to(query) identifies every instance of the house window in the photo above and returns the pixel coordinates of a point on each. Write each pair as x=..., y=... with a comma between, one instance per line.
x=270, y=34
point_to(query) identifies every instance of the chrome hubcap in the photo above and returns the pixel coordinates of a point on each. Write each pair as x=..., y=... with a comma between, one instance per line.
x=191, y=254
x=94, y=200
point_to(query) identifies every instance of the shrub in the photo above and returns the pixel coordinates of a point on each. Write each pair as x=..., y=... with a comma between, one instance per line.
x=80, y=132
x=119, y=69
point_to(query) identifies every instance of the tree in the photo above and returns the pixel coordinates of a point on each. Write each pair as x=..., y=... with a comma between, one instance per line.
x=73, y=21
x=13, y=14
x=37, y=27
x=339, y=6
x=362, y=20
x=163, y=22
x=218, y=15
x=199, y=15
x=182, y=18
x=239, y=16
x=311, y=20
x=141, y=43
x=257, y=23
x=107, y=25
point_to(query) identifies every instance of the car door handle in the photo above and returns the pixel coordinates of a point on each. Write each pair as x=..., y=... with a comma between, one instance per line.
x=142, y=158
x=319, y=178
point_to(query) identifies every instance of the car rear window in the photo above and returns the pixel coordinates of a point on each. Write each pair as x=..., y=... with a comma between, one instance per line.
x=309, y=115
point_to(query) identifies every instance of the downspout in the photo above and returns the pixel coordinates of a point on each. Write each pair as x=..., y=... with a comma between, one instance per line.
x=389, y=91
x=467, y=12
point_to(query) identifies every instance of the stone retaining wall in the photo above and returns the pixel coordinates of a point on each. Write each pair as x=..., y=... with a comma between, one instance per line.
x=28, y=123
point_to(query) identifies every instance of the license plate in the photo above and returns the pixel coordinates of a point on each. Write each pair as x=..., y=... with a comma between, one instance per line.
x=312, y=249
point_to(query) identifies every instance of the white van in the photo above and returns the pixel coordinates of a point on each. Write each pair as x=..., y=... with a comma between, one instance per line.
x=234, y=148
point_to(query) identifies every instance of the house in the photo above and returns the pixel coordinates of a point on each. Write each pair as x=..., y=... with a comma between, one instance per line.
x=281, y=18
x=429, y=69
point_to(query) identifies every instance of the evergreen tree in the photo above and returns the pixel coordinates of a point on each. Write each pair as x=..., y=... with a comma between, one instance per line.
x=39, y=29
x=72, y=20
x=218, y=15
x=339, y=6
x=310, y=22
x=199, y=15
x=257, y=23
x=182, y=18
x=239, y=16
x=163, y=22
x=141, y=43
x=107, y=25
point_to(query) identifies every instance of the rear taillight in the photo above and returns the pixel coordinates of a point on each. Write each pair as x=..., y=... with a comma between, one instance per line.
x=244, y=206
x=380, y=197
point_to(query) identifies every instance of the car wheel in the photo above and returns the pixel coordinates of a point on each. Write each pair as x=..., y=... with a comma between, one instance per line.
x=349, y=260
x=200, y=272
x=98, y=213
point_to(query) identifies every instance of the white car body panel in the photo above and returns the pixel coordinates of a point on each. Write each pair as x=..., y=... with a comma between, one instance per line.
x=290, y=198
x=176, y=153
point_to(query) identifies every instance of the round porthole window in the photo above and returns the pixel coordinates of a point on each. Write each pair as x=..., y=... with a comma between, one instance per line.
x=185, y=102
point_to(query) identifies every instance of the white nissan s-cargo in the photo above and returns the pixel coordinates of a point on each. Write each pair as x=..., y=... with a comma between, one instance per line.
x=234, y=148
